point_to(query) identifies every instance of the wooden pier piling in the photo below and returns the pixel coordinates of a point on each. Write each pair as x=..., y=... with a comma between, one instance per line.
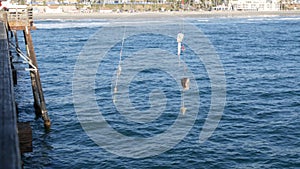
x=20, y=19
x=25, y=137
x=16, y=138
x=39, y=101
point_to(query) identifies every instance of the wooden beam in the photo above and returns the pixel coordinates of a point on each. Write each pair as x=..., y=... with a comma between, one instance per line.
x=21, y=28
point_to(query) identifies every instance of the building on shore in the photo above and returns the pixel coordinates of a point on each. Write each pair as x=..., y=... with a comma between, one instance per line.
x=254, y=5
x=236, y=5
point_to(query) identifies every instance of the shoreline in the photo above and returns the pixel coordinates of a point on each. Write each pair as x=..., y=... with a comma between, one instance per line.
x=141, y=15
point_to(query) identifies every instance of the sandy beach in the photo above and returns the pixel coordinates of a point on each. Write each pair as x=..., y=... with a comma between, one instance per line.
x=201, y=14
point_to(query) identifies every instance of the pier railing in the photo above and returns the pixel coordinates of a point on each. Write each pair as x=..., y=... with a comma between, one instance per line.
x=18, y=17
x=9, y=142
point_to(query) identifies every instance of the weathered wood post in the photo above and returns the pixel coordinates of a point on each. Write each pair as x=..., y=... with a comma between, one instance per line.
x=39, y=101
x=16, y=38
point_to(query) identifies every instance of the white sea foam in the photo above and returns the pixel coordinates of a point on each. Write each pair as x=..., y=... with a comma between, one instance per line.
x=202, y=20
x=63, y=24
x=274, y=19
x=294, y=18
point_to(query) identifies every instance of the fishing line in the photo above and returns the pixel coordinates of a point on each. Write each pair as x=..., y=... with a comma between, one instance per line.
x=119, y=69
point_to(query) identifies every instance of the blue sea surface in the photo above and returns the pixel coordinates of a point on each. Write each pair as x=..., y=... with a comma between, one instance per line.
x=260, y=126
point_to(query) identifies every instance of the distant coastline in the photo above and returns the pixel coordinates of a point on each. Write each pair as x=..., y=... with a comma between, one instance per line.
x=200, y=14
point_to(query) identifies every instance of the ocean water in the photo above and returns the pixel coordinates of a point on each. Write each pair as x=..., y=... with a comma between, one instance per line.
x=260, y=123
